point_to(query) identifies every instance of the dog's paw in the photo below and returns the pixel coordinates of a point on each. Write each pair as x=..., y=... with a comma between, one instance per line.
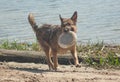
x=78, y=65
x=58, y=69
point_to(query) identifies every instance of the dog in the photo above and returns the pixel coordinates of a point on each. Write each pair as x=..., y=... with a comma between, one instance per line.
x=47, y=36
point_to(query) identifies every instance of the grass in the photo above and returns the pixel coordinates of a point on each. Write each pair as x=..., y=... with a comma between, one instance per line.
x=103, y=62
x=100, y=55
x=19, y=46
x=97, y=55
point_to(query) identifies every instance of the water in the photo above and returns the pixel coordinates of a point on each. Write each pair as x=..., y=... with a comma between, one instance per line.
x=98, y=20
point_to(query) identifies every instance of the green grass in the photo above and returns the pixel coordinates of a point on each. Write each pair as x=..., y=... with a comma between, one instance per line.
x=6, y=44
x=100, y=55
x=103, y=62
x=97, y=55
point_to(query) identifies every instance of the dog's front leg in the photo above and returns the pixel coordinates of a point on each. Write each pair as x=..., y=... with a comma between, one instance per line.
x=55, y=60
x=74, y=54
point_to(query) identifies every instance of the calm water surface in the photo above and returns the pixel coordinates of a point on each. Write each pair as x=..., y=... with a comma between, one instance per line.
x=97, y=19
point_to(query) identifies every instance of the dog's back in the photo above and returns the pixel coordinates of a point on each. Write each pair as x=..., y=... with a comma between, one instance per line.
x=47, y=34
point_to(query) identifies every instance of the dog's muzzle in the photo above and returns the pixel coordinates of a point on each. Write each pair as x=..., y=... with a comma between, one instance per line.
x=66, y=30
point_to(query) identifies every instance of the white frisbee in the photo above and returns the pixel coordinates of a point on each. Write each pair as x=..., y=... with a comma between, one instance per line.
x=67, y=39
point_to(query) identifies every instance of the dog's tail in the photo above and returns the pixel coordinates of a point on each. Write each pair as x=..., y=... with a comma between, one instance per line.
x=32, y=22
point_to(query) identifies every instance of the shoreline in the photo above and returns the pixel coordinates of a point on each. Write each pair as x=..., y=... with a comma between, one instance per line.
x=97, y=55
x=97, y=62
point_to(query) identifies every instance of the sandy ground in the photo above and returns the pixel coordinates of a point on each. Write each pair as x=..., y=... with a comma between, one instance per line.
x=31, y=72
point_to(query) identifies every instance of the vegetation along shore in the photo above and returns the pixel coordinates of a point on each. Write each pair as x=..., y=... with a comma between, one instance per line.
x=98, y=55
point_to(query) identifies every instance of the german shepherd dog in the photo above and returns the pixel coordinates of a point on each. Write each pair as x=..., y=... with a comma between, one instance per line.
x=47, y=36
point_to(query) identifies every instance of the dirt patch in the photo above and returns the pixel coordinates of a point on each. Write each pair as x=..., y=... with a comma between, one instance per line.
x=31, y=72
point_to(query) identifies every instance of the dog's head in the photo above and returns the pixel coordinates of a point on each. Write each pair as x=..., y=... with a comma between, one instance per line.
x=69, y=24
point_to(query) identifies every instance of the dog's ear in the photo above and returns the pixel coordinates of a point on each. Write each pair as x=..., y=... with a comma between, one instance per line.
x=61, y=19
x=74, y=17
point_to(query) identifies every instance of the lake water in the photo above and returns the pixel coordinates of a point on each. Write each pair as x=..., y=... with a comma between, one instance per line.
x=98, y=20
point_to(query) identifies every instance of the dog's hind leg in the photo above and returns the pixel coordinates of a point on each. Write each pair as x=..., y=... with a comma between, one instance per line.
x=46, y=48
x=49, y=61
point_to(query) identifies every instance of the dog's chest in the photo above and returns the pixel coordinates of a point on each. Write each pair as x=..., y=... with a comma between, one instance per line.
x=63, y=51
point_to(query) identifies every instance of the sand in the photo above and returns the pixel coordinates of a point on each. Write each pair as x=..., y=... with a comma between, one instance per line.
x=31, y=72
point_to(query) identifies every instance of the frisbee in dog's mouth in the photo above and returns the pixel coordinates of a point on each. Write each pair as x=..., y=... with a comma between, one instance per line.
x=67, y=39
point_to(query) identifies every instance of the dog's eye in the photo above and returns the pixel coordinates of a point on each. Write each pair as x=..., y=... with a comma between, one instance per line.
x=68, y=24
